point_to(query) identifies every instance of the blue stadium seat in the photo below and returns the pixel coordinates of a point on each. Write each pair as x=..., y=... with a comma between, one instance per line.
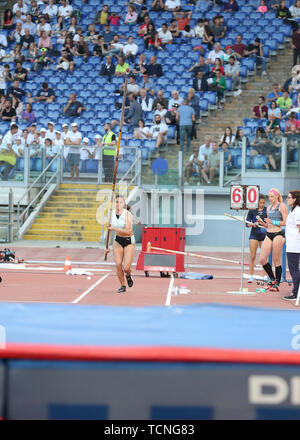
x=259, y=161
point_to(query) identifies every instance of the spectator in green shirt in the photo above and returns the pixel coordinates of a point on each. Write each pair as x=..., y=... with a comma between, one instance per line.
x=284, y=102
x=121, y=67
x=219, y=85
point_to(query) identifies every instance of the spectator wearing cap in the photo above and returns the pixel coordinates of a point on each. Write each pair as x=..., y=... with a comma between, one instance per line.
x=228, y=53
x=42, y=137
x=232, y=71
x=28, y=115
x=58, y=141
x=86, y=153
x=185, y=118
x=200, y=82
x=46, y=94
x=98, y=147
x=7, y=155
x=50, y=131
x=73, y=141
x=73, y=108
x=255, y=50
x=65, y=130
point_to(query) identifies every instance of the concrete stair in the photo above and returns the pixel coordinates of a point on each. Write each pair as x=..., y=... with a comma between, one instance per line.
x=238, y=108
x=70, y=215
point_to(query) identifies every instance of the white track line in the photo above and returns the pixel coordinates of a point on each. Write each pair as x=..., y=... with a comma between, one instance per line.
x=90, y=289
x=169, y=294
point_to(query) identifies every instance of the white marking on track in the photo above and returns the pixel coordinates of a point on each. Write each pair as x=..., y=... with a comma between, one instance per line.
x=90, y=289
x=169, y=293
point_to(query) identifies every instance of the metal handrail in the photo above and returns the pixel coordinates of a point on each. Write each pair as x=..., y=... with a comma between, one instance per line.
x=20, y=215
x=38, y=178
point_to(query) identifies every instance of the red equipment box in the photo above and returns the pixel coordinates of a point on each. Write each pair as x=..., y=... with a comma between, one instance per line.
x=157, y=260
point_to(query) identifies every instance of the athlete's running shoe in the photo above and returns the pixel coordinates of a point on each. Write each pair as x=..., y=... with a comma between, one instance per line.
x=270, y=284
x=250, y=280
x=275, y=287
x=129, y=280
x=122, y=289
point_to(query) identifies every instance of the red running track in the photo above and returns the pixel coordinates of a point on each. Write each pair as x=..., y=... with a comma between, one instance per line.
x=51, y=286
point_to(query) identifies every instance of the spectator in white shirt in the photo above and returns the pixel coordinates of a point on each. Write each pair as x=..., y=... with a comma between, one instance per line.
x=205, y=149
x=58, y=141
x=51, y=150
x=65, y=130
x=20, y=6
x=141, y=132
x=132, y=86
x=158, y=131
x=199, y=29
x=176, y=99
x=65, y=10
x=86, y=153
x=165, y=35
x=50, y=133
x=130, y=50
x=145, y=100
x=217, y=52
x=160, y=111
x=3, y=40
x=172, y=5
x=43, y=26
x=29, y=25
x=51, y=10
x=73, y=140
x=42, y=137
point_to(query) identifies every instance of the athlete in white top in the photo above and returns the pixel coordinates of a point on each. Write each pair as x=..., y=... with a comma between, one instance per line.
x=124, y=243
x=292, y=232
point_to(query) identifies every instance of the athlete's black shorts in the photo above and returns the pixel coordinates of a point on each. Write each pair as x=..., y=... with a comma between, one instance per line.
x=272, y=235
x=123, y=241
